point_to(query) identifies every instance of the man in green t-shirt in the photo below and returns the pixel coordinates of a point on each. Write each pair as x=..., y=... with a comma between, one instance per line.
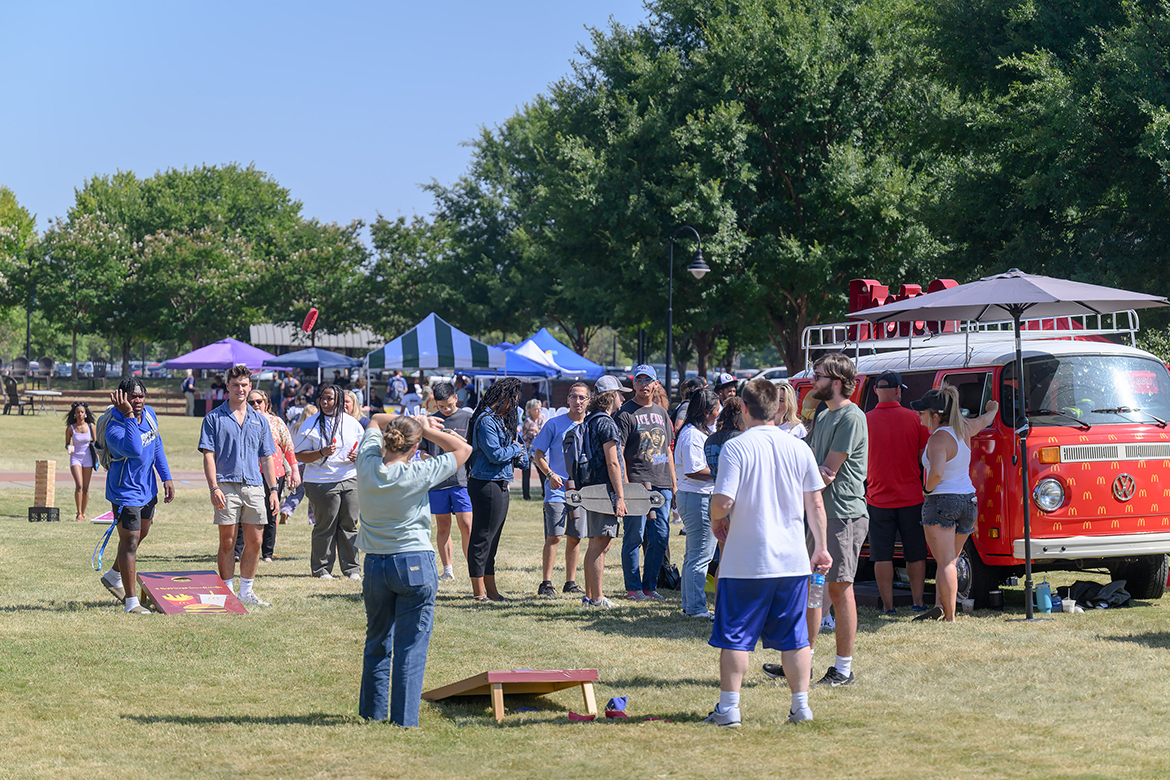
x=840, y=442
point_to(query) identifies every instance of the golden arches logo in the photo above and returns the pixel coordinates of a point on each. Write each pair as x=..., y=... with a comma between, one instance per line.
x=1115, y=524
x=1155, y=478
x=1087, y=495
x=1100, y=480
x=1052, y=440
x=1072, y=511
x=1086, y=526
x=1111, y=437
x=1072, y=481
x=1055, y=526
x=1086, y=466
x=1142, y=493
x=1100, y=510
x=1129, y=509
x=1083, y=438
x=1141, y=464
x=1142, y=521
x=1114, y=464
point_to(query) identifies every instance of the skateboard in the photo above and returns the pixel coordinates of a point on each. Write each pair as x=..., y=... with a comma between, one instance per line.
x=595, y=498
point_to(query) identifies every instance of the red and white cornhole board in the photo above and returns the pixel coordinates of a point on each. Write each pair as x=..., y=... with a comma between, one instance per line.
x=187, y=593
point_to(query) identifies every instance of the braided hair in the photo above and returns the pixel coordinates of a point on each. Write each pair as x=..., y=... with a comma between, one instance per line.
x=504, y=392
x=331, y=421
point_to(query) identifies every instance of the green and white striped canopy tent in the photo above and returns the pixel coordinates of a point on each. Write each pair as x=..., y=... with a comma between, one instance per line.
x=434, y=344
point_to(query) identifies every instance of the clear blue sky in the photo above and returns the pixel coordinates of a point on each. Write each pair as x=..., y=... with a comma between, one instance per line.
x=349, y=105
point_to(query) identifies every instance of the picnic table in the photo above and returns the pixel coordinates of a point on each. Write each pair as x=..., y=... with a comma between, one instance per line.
x=45, y=398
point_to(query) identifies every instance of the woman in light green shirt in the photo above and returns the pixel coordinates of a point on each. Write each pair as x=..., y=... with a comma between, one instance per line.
x=400, y=577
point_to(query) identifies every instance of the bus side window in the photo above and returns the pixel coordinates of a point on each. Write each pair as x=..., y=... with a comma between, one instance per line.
x=974, y=391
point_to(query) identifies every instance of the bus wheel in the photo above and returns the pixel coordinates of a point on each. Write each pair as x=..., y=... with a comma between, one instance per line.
x=1145, y=576
x=975, y=577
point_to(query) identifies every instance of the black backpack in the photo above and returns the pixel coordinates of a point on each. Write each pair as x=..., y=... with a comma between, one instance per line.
x=578, y=449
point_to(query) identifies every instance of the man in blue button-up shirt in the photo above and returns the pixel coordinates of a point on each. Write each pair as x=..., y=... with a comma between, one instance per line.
x=236, y=442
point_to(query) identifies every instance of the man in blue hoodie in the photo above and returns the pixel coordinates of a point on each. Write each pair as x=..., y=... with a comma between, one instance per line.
x=136, y=451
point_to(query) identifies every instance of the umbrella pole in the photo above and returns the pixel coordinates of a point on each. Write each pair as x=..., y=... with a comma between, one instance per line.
x=1022, y=432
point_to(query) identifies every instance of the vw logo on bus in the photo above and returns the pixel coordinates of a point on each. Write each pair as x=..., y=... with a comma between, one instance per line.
x=1123, y=487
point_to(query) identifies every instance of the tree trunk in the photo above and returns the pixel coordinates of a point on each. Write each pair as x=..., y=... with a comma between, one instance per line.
x=125, y=358
x=74, y=374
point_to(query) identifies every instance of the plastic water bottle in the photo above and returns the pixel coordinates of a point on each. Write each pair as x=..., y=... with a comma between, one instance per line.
x=816, y=590
x=1044, y=597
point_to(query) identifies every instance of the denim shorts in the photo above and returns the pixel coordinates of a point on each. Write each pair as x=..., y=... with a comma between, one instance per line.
x=950, y=510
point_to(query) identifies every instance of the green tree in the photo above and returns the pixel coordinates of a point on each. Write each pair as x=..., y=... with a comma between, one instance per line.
x=17, y=232
x=80, y=266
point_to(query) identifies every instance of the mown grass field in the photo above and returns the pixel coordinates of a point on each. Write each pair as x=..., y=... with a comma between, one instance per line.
x=88, y=692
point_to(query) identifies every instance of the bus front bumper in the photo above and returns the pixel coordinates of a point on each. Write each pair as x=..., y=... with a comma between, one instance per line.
x=1119, y=546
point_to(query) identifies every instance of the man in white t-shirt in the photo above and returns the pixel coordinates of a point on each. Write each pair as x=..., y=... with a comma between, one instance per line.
x=767, y=481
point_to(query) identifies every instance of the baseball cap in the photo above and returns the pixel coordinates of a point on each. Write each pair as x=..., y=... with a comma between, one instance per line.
x=607, y=383
x=724, y=380
x=889, y=379
x=934, y=401
x=645, y=370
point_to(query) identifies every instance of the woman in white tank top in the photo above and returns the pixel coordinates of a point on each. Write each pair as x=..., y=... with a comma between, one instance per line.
x=948, y=508
x=79, y=435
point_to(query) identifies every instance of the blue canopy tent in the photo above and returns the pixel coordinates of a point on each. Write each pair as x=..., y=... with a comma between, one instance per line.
x=313, y=359
x=571, y=364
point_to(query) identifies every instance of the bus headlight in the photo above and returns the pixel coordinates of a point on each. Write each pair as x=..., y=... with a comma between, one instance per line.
x=1048, y=495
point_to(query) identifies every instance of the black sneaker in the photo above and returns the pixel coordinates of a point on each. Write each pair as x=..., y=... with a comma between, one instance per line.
x=546, y=589
x=571, y=587
x=775, y=671
x=934, y=613
x=835, y=679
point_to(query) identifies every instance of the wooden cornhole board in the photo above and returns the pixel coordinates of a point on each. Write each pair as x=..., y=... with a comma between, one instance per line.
x=532, y=682
x=188, y=593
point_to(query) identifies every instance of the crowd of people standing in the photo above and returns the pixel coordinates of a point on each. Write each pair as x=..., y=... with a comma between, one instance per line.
x=763, y=499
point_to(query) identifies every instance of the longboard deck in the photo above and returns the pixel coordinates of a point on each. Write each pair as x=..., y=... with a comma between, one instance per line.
x=595, y=498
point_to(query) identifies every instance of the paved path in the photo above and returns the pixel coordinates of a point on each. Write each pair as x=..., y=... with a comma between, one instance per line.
x=27, y=480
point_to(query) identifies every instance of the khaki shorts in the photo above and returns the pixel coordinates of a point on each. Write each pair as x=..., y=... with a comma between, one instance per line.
x=244, y=504
x=845, y=537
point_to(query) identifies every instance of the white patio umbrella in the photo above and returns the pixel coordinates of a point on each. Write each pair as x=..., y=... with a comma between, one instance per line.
x=1011, y=295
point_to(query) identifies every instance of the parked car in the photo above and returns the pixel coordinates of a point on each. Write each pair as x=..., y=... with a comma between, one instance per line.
x=64, y=370
x=775, y=374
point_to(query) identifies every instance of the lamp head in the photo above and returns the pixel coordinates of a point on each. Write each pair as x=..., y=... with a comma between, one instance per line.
x=698, y=268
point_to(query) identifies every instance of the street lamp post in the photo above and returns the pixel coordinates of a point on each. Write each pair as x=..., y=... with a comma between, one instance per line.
x=698, y=269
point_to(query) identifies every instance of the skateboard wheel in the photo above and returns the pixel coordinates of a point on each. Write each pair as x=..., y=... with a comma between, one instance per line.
x=573, y=497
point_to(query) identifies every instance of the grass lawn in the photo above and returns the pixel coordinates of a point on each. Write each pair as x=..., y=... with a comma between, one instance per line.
x=42, y=437
x=88, y=692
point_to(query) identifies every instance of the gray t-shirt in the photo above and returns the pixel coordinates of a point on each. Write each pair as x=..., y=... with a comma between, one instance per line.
x=844, y=430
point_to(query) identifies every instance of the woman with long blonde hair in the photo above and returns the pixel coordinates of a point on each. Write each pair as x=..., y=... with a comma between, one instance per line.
x=788, y=413
x=949, y=510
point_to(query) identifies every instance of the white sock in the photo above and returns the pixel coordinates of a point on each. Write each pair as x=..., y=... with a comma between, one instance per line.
x=230, y=585
x=113, y=577
x=131, y=602
x=844, y=664
x=246, y=586
x=728, y=699
x=449, y=570
x=799, y=701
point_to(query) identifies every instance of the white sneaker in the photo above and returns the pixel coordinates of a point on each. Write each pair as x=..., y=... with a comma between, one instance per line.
x=827, y=623
x=253, y=600
x=354, y=576
x=800, y=716
x=603, y=602
x=326, y=576
x=446, y=576
x=728, y=719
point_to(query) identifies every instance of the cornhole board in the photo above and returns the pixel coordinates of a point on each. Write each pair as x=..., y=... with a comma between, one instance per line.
x=531, y=682
x=595, y=498
x=188, y=593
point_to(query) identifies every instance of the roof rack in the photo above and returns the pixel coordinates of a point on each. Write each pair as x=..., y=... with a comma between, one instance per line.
x=858, y=336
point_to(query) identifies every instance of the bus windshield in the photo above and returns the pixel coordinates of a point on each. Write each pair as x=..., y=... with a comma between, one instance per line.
x=1089, y=390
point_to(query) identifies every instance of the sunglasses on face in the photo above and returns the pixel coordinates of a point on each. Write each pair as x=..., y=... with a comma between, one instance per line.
x=256, y=401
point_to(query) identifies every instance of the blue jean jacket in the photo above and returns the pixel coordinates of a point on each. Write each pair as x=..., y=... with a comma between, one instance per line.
x=495, y=446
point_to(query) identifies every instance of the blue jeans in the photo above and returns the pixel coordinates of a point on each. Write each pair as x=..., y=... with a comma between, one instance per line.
x=399, y=591
x=655, y=529
x=695, y=509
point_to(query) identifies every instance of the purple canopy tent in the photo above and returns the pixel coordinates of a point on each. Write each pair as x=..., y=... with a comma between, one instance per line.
x=222, y=355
